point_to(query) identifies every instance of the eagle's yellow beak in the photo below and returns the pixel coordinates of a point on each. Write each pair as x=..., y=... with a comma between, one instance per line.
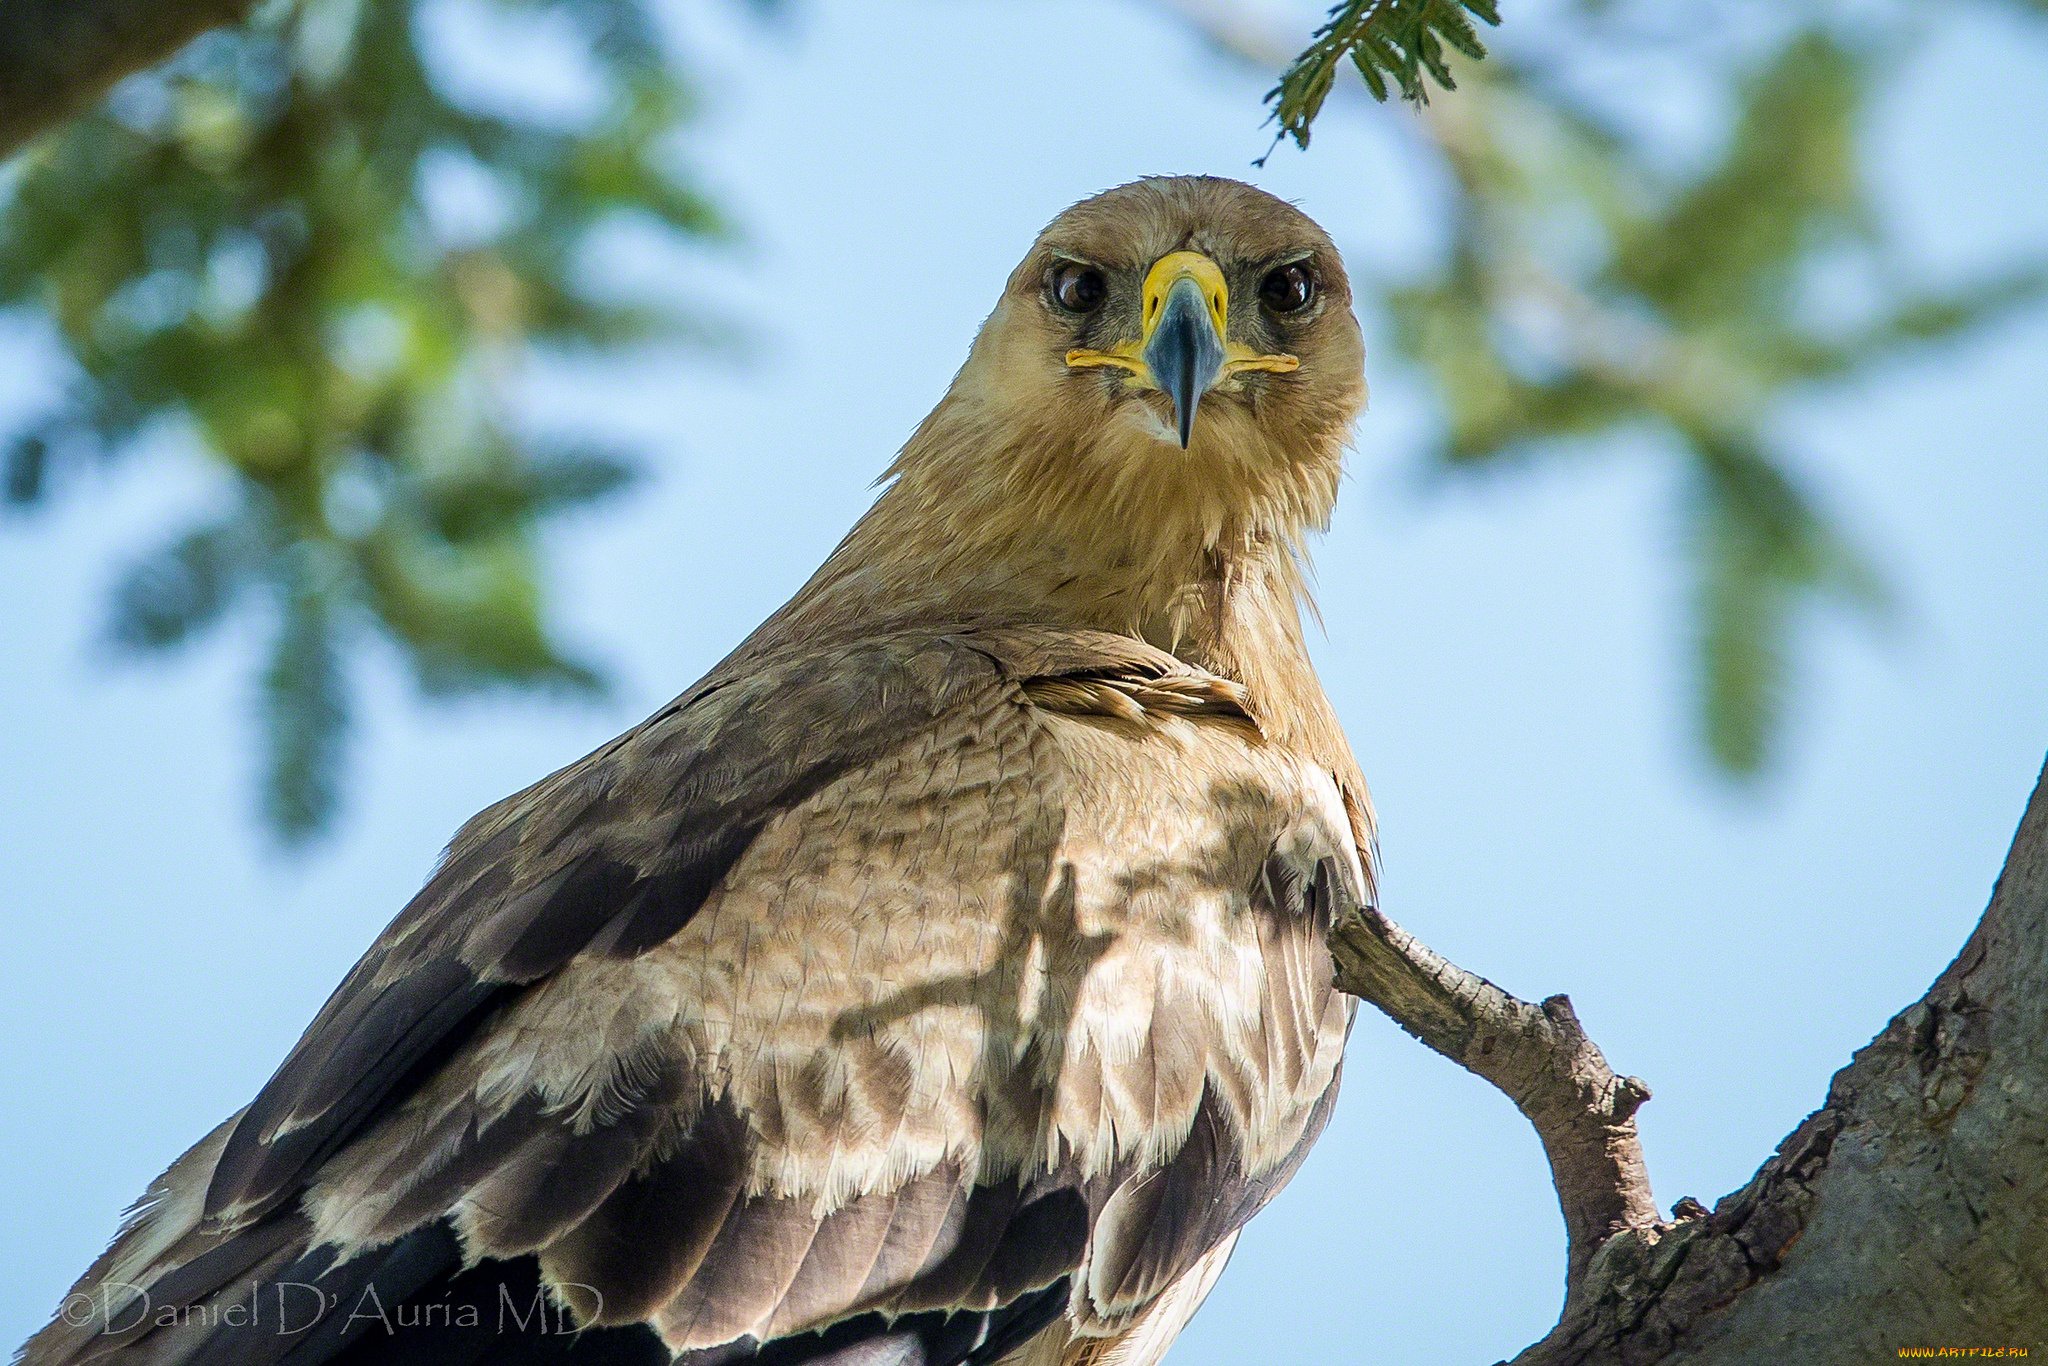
x=1183, y=347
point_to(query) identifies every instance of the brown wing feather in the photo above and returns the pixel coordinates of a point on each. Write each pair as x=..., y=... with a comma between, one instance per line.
x=921, y=974
x=608, y=856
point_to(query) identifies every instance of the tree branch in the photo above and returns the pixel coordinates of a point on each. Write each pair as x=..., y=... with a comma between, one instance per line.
x=1909, y=1211
x=57, y=56
x=1538, y=1055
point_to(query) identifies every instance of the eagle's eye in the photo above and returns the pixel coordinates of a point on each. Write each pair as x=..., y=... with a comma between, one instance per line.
x=1078, y=288
x=1289, y=288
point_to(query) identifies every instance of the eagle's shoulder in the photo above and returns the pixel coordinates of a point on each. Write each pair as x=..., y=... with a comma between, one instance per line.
x=615, y=853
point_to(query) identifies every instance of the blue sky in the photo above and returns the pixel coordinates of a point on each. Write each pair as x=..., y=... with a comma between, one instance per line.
x=1507, y=655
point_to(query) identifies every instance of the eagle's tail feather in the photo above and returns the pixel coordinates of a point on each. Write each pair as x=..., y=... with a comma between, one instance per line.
x=166, y=1274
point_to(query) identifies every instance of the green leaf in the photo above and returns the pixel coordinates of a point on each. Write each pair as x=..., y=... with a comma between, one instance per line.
x=1386, y=40
x=305, y=718
x=1588, y=293
x=494, y=500
x=1787, y=185
x=1763, y=553
x=28, y=465
x=1743, y=627
x=182, y=588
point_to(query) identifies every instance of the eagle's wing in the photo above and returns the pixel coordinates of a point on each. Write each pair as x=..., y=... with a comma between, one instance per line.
x=910, y=991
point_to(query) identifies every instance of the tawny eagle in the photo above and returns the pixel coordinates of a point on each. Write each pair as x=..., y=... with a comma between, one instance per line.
x=941, y=980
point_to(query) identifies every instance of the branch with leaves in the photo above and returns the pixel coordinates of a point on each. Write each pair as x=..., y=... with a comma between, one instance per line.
x=1685, y=324
x=1397, y=41
x=237, y=247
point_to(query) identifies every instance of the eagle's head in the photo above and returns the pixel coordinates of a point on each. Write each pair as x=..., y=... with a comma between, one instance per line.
x=1160, y=399
x=1199, y=312
x=1174, y=368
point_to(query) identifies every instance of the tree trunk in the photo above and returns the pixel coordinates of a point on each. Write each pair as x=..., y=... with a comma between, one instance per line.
x=57, y=56
x=1910, y=1212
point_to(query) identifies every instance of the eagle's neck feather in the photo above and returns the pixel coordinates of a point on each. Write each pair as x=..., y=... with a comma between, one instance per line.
x=1198, y=553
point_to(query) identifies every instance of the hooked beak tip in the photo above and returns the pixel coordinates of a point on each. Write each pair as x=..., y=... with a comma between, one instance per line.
x=1185, y=354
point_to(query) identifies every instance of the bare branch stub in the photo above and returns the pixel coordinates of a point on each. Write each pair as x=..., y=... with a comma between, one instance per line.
x=1537, y=1054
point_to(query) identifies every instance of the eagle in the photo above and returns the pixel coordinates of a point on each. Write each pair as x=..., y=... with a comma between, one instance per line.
x=940, y=981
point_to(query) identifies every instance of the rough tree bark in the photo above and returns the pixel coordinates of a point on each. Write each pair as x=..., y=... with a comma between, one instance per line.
x=1910, y=1211
x=57, y=56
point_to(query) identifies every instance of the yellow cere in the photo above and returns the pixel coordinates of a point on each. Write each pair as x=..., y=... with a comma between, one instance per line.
x=1170, y=270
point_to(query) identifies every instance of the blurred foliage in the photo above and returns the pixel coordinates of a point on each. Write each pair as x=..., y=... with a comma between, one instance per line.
x=1397, y=40
x=1587, y=291
x=239, y=245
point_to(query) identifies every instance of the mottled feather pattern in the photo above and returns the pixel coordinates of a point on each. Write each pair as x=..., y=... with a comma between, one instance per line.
x=785, y=1113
